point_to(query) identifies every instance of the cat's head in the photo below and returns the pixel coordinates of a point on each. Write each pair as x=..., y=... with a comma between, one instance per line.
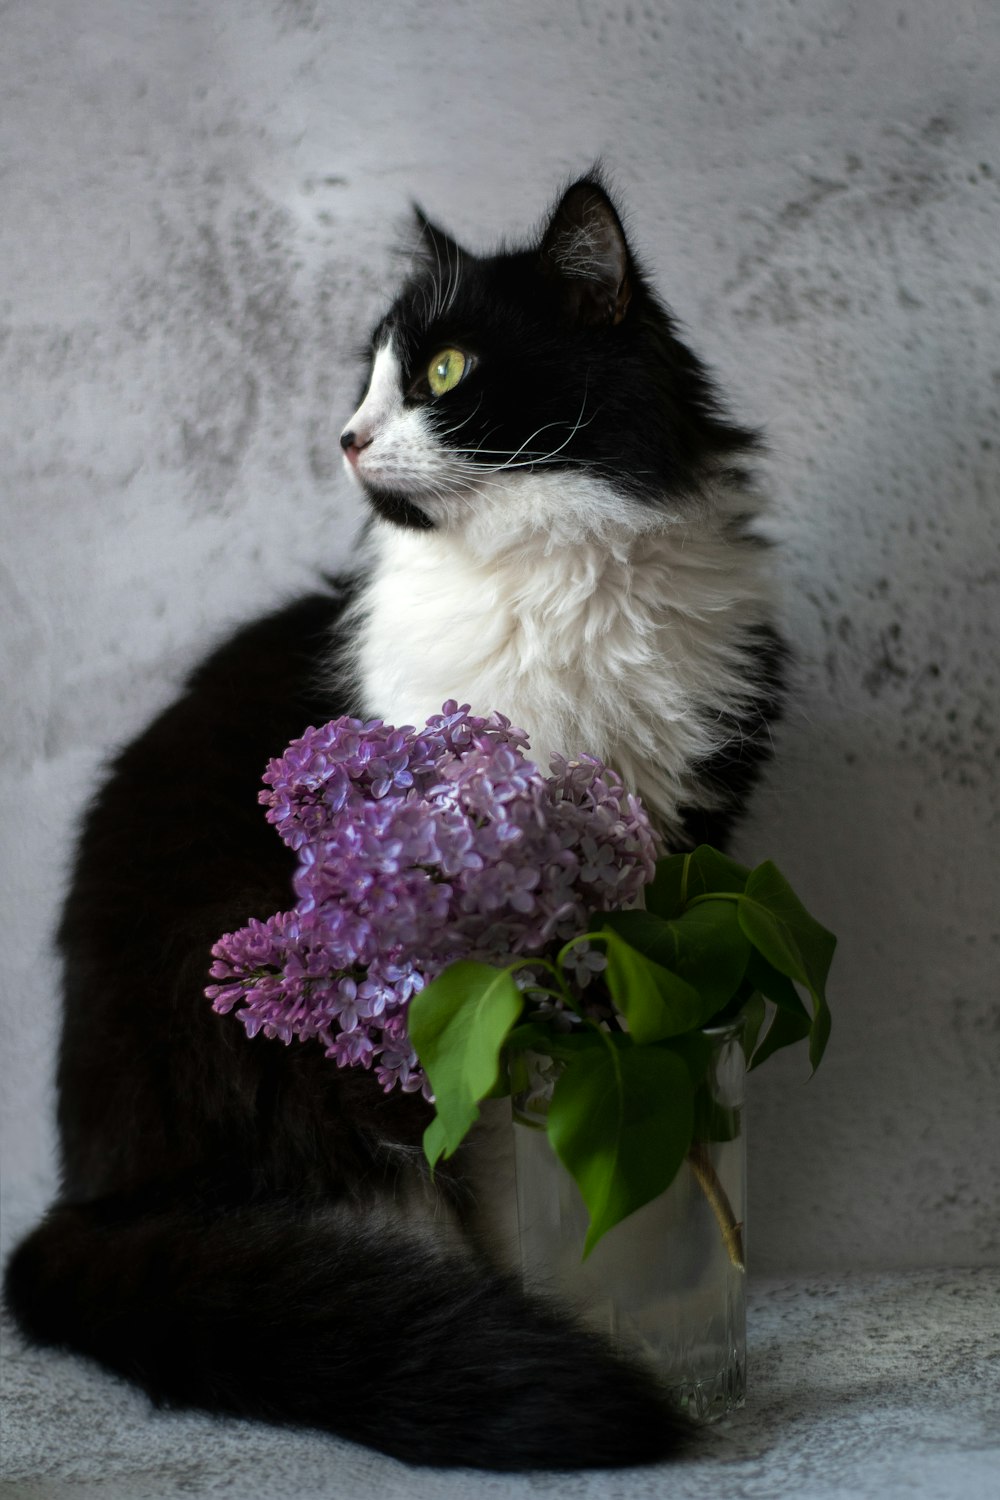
x=545, y=382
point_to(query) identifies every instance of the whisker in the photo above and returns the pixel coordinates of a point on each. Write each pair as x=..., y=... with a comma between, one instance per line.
x=447, y=431
x=544, y=428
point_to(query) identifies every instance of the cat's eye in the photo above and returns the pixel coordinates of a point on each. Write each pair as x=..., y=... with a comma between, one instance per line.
x=446, y=370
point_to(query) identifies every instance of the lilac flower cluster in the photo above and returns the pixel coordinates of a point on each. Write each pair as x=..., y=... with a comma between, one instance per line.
x=417, y=847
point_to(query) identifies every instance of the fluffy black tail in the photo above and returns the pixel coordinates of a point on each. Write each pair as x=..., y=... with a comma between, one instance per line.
x=339, y=1322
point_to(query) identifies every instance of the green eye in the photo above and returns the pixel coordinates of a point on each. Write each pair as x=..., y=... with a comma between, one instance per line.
x=445, y=371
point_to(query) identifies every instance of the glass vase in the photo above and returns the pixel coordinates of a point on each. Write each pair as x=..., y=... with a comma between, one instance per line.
x=668, y=1282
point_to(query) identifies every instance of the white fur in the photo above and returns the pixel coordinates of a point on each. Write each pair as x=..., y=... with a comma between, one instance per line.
x=382, y=406
x=400, y=451
x=594, y=625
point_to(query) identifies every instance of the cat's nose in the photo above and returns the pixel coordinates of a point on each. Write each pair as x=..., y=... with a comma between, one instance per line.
x=352, y=443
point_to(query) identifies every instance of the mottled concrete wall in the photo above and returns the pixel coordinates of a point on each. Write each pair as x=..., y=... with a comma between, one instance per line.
x=197, y=208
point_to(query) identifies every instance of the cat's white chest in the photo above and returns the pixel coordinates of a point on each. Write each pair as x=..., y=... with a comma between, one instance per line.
x=528, y=636
x=590, y=645
x=432, y=630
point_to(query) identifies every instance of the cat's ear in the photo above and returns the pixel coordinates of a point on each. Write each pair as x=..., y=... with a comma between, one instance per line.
x=433, y=244
x=585, y=250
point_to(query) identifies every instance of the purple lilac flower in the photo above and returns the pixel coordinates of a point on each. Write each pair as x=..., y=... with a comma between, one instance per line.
x=584, y=962
x=417, y=847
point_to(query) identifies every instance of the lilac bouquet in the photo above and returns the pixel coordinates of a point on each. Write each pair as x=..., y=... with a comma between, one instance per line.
x=418, y=848
x=454, y=908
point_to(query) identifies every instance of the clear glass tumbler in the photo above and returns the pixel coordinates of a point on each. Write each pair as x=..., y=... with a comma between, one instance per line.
x=667, y=1283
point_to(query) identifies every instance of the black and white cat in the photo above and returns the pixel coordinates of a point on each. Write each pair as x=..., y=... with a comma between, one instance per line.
x=562, y=530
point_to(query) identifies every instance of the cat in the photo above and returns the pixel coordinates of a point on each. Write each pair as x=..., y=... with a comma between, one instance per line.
x=561, y=528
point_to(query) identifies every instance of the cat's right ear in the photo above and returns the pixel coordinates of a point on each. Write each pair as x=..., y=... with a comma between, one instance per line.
x=433, y=244
x=585, y=253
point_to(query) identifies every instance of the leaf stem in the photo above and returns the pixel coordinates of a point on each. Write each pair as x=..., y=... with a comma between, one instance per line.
x=554, y=969
x=708, y=1180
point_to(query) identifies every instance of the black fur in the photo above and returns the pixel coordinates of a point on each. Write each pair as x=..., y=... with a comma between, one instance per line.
x=730, y=775
x=550, y=355
x=221, y=1234
x=312, y=1316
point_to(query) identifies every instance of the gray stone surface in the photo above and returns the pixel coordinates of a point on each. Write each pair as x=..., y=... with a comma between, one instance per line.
x=197, y=204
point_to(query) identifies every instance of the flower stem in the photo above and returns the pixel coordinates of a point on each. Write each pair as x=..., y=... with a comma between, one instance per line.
x=708, y=1181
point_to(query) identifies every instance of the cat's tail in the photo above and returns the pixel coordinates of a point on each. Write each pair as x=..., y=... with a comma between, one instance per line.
x=337, y=1321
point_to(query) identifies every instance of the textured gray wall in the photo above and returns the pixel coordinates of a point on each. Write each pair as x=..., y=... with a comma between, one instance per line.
x=197, y=207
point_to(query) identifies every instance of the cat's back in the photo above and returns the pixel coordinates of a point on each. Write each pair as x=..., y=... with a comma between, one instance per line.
x=173, y=852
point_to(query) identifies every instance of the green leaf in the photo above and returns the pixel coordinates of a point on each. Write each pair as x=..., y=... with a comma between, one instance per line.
x=709, y=872
x=754, y=1013
x=712, y=950
x=785, y=1030
x=620, y=1122
x=519, y=1073
x=458, y=1025
x=663, y=893
x=773, y=985
x=656, y=1003
x=695, y=1050
x=530, y=1036
x=435, y=1142
x=680, y=877
x=642, y=930
x=705, y=946
x=777, y=923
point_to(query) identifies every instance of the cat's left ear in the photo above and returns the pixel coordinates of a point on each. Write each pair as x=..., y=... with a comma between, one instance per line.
x=585, y=249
